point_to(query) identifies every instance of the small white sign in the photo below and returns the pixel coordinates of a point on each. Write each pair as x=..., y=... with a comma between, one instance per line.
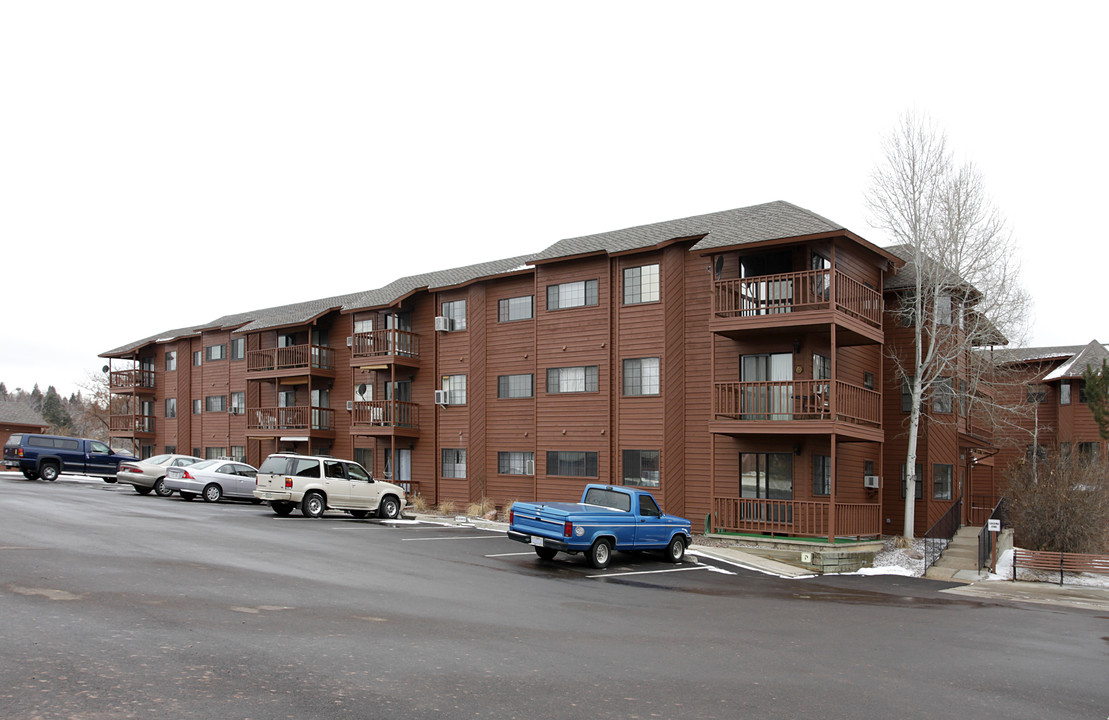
x=993, y=525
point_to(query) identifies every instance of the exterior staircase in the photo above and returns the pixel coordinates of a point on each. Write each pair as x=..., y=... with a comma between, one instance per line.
x=959, y=561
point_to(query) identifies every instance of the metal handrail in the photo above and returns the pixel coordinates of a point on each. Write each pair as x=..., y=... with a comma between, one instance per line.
x=985, y=538
x=939, y=536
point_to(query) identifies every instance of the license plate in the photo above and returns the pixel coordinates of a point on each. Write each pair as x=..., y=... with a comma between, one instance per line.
x=536, y=540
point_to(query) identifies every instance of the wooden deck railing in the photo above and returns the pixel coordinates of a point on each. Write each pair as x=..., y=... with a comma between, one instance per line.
x=807, y=518
x=379, y=343
x=386, y=413
x=316, y=357
x=131, y=379
x=290, y=418
x=797, y=400
x=796, y=292
x=131, y=423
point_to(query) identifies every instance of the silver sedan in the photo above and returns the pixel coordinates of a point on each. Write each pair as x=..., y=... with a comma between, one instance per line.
x=149, y=474
x=213, y=480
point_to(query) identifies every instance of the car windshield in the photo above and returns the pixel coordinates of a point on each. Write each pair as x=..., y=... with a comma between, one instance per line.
x=158, y=459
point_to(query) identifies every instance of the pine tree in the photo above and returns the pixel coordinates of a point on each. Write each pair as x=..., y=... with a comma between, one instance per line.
x=53, y=411
x=1097, y=396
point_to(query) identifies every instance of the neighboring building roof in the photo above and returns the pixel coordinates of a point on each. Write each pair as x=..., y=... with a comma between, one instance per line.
x=758, y=223
x=168, y=335
x=1091, y=356
x=16, y=413
x=1039, y=354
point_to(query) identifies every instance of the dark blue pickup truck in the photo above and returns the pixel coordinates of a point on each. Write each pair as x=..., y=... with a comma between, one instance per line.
x=48, y=456
x=607, y=518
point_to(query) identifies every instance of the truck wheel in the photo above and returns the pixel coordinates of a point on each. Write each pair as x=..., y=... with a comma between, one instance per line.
x=600, y=554
x=212, y=492
x=161, y=489
x=675, y=551
x=389, y=508
x=546, y=553
x=30, y=475
x=282, y=508
x=313, y=505
x=49, y=472
x=142, y=490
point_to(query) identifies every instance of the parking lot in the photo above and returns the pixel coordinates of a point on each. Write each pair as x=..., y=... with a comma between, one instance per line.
x=121, y=605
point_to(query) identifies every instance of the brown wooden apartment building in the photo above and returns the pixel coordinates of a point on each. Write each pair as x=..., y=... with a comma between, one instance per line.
x=733, y=362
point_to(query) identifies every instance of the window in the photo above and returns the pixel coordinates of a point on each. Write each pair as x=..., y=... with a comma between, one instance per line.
x=1040, y=450
x=196, y=452
x=1036, y=394
x=171, y=407
x=943, y=396
x=570, y=295
x=572, y=464
x=868, y=380
x=1089, y=450
x=215, y=352
x=171, y=449
x=287, y=398
x=198, y=406
x=641, y=468
x=572, y=379
x=868, y=468
x=1064, y=393
x=766, y=475
x=215, y=453
x=641, y=377
x=941, y=482
x=517, y=308
x=516, y=463
x=239, y=453
x=146, y=452
x=641, y=284
x=238, y=403
x=171, y=360
x=215, y=403
x=454, y=463
x=821, y=475
x=1081, y=391
x=198, y=358
x=515, y=386
x=455, y=311
x=238, y=348
x=906, y=395
x=455, y=385
x=821, y=367
x=919, y=489
x=943, y=309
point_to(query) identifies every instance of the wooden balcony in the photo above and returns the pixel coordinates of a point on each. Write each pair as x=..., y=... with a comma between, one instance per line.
x=385, y=418
x=132, y=381
x=398, y=347
x=278, y=421
x=291, y=361
x=132, y=426
x=797, y=407
x=803, y=518
x=800, y=300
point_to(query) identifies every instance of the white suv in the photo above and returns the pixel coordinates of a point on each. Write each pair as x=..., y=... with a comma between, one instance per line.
x=317, y=483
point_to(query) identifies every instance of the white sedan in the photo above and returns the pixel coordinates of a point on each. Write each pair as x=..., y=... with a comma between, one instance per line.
x=213, y=480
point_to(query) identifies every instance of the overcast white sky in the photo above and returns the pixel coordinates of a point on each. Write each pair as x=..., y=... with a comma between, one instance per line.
x=162, y=164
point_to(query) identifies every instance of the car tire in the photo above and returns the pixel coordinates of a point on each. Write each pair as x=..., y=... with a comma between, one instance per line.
x=212, y=492
x=142, y=490
x=389, y=508
x=313, y=505
x=108, y=480
x=282, y=507
x=675, y=551
x=600, y=554
x=546, y=553
x=360, y=514
x=187, y=496
x=49, y=472
x=161, y=489
x=30, y=475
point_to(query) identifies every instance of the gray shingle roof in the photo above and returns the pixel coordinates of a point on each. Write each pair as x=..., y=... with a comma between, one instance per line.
x=1091, y=356
x=166, y=336
x=1036, y=354
x=18, y=413
x=758, y=223
x=439, y=279
x=905, y=277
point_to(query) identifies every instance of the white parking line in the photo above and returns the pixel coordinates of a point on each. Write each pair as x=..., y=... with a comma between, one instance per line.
x=657, y=572
x=466, y=537
x=508, y=554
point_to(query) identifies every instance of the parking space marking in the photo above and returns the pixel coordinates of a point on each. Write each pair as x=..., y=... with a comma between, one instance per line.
x=508, y=554
x=659, y=572
x=465, y=537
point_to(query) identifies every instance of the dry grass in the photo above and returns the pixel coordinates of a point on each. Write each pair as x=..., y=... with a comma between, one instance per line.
x=447, y=507
x=481, y=509
x=418, y=503
x=503, y=514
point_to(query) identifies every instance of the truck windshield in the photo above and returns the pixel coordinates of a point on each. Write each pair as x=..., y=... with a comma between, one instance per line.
x=608, y=498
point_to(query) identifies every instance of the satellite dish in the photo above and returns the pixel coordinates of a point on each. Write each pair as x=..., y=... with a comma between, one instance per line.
x=362, y=389
x=105, y=368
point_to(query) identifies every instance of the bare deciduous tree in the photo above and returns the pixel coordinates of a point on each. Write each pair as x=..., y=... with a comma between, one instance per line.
x=1062, y=505
x=959, y=288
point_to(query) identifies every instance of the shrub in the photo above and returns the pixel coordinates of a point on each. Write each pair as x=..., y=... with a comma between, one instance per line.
x=1061, y=504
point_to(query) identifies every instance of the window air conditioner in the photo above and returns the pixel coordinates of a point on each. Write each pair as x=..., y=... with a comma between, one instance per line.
x=350, y=405
x=350, y=341
x=442, y=397
x=442, y=323
x=872, y=481
x=530, y=468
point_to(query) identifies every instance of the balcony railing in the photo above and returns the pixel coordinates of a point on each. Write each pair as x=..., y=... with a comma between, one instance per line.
x=131, y=379
x=131, y=423
x=797, y=400
x=386, y=413
x=290, y=418
x=796, y=292
x=316, y=357
x=807, y=518
x=379, y=343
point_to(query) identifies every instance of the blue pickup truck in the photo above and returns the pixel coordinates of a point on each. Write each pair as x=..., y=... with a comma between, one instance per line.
x=607, y=518
x=47, y=456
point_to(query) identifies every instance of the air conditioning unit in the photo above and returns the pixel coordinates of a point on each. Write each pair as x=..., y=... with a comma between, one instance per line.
x=442, y=397
x=350, y=341
x=530, y=469
x=350, y=405
x=872, y=481
x=442, y=323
